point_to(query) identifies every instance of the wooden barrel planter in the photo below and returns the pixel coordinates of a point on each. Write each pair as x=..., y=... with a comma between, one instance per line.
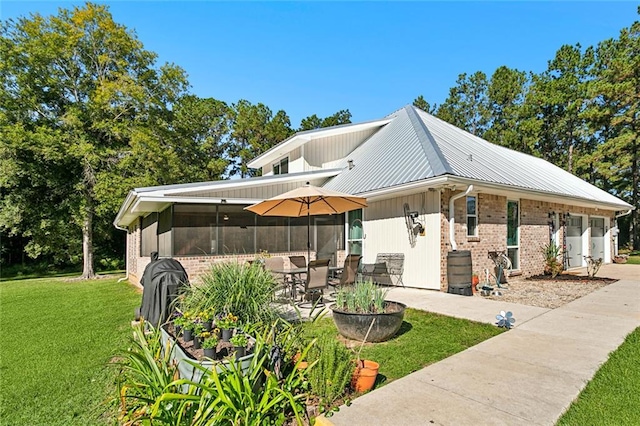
x=354, y=325
x=459, y=272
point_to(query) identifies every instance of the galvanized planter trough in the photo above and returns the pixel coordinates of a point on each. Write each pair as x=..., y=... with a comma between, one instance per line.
x=355, y=325
x=185, y=361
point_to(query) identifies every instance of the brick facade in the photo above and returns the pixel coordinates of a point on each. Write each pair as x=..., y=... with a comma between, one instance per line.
x=492, y=231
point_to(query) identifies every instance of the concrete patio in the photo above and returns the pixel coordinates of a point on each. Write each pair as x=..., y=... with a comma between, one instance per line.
x=528, y=375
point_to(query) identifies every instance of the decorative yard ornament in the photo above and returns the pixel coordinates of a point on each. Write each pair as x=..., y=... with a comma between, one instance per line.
x=505, y=319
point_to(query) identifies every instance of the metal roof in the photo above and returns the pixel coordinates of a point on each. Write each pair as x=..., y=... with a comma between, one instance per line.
x=417, y=146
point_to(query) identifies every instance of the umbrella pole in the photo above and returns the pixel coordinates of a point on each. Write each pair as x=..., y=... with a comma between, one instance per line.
x=308, y=237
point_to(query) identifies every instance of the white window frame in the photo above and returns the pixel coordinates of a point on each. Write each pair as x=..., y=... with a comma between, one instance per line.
x=279, y=165
x=475, y=216
x=519, y=229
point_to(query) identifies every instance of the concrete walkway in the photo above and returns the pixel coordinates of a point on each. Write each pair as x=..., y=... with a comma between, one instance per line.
x=526, y=376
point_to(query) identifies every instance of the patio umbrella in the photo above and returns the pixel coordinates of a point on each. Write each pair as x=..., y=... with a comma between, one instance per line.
x=308, y=201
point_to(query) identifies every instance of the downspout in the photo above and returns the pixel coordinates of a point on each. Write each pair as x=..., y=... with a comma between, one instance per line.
x=452, y=215
x=126, y=252
x=615, y=246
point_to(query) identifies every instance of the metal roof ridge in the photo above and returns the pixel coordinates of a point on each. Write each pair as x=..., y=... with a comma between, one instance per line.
x=432, y=151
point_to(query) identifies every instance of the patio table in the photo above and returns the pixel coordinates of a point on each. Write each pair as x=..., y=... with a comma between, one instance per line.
x=293, y=272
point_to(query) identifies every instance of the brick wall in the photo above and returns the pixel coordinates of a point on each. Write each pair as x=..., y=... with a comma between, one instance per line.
x=198, y=265
x=492, y=231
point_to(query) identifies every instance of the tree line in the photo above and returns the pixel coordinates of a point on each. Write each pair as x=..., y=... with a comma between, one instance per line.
x=582, y=114
x=86, y=114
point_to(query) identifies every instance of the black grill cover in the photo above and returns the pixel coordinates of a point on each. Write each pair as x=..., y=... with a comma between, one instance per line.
x=162, y=280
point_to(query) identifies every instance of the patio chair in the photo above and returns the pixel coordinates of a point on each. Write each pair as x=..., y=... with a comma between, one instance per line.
x=277, y=264
x=298, y=262
x=317, y=281
x=349, y=272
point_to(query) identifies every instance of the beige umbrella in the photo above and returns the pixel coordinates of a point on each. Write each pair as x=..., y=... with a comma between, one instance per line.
x=308, y=201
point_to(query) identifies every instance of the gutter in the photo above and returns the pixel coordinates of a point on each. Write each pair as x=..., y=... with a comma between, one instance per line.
x=452, y=216
x=615, y=237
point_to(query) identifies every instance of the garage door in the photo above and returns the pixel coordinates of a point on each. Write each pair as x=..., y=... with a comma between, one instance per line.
x=597, y=237
x=574, y=241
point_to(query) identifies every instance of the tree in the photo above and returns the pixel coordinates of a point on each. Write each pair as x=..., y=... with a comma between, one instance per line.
x=555, y=105
x=614, y=115
x=254, y=130
x=421, y=102
x=506, y=93
x=314, y=122
x=78, y=98
x=467, y=104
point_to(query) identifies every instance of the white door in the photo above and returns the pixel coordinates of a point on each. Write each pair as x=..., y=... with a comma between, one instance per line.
x=574, y=241
x=597, y=237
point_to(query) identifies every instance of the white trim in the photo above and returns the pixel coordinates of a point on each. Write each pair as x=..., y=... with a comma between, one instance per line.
x=475, y=215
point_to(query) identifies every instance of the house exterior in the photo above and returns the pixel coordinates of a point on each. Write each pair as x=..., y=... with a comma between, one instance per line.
x=430, y=186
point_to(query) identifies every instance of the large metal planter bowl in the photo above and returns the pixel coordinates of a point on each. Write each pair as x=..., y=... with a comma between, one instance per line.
x=354, y=325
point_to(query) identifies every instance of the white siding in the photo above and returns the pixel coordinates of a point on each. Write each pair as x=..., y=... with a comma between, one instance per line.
x=318, y=152
x=386, y=232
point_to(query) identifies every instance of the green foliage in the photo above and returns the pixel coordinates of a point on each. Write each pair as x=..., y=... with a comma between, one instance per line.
x=255, y=130
x=75, y=103
x=611, y=397
x=334, y=365
x=421, y=102
x=57, y=338
x=315, y=122
x=239, y=288
x=147, y=375
x=552, y=263
x=209, y=341
x=226, y=395
x=239, y=340
x=467, y=105
x=362, y=297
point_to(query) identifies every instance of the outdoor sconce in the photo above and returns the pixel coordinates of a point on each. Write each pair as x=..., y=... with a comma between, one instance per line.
x=418, y=227
x=225, y=217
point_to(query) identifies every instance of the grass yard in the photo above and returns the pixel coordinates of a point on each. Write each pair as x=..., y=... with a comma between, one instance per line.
x=423, y=339
x=612, y=397
x=57, y=337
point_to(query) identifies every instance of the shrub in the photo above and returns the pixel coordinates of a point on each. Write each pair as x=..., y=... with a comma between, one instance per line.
x=330, y=375
x=552, y=265
x=246, y=290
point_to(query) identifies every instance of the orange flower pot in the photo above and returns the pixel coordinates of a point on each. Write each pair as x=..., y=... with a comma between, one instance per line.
x=364, y=376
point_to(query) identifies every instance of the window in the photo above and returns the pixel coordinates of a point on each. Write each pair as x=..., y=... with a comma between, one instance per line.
x=513, y=237
x=149, y=235
x=472, y=217
x=281, y=167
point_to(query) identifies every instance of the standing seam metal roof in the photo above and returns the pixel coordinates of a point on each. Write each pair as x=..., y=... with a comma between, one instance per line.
x=416, y=146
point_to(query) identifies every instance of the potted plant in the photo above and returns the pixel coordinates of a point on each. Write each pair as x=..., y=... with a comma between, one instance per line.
x=179, y=322
x=206, y=317
x=198, y=329
x=239, y=342
x=226, y=324
x=366, y=372
x=209, y=344
x=187, y=326
x=357, y=305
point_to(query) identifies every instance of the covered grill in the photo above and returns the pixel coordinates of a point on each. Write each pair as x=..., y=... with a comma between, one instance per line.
x=162, y=280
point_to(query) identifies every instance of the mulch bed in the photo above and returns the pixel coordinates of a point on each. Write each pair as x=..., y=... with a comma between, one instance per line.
x=546, y=292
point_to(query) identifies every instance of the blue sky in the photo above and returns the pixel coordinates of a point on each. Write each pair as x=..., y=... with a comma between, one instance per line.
x=369, y=57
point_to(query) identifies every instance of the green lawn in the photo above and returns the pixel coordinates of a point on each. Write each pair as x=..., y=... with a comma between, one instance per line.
x=57, y=338
x=613, y=396
x=423, y=339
